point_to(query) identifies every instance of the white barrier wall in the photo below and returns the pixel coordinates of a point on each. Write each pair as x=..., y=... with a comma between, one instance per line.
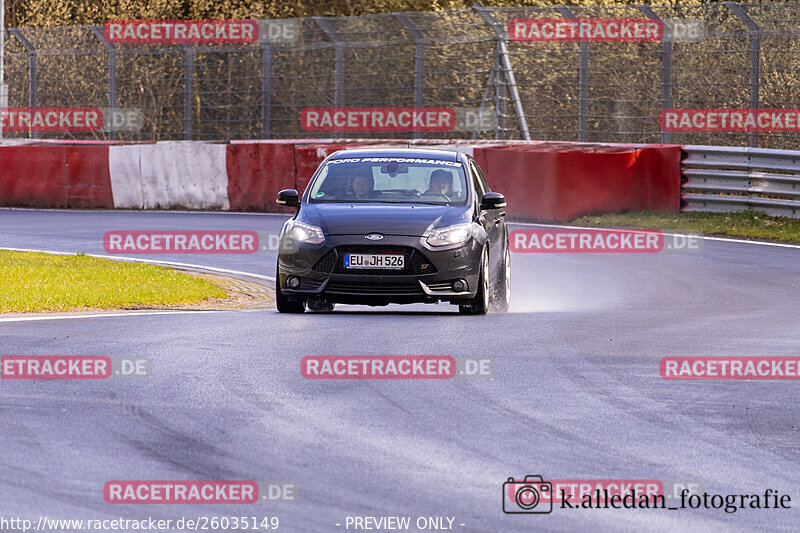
x=169, y=175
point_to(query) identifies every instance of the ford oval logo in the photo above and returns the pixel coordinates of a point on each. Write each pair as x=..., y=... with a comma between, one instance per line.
x=374, y=236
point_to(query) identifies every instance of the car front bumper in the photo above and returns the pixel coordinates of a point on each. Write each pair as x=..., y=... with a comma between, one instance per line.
x=427, y=276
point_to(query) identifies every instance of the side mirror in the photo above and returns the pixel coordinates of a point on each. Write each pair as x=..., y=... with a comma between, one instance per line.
x=289, y=198
x=493, y=200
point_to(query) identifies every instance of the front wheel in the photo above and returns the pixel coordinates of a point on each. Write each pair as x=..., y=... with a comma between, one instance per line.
x=502, y=295
x=282, y=301
x=480, y=304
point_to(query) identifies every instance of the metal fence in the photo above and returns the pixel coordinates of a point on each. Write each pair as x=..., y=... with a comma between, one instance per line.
x=720, y=55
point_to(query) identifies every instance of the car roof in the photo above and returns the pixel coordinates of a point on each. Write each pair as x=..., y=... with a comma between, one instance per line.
x=445, y=155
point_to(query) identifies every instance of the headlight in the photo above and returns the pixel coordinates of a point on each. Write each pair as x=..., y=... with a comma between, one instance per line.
x=303, y=233
x=449, y=235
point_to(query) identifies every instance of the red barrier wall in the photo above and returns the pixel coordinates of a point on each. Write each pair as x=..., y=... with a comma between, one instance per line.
x=555, y=183
x=31, y=176
x=256, y=172
x=543, y=181
x=307, y=158
x=88, y=178
x=55, y=176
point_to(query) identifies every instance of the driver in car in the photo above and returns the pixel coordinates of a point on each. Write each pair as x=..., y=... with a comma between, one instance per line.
x=441, y=184
x=364, y=186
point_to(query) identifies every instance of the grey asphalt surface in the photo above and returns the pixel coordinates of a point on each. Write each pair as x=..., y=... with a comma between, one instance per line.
x=577, y=393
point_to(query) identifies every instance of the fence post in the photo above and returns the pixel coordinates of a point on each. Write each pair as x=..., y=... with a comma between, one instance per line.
x=505, y=62
x=111, y=48
x=583, y=81
x=666, y=68
x=419, y=61
x=501, y=110
x=755, y=59
x=33, y=80
x=188, y=75
x=338, y=64
x=266, y=91
x=489, y=84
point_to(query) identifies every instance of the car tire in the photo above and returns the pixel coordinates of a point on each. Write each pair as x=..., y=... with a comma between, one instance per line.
x=282, y=302
x=502, y=294
x=480, y=304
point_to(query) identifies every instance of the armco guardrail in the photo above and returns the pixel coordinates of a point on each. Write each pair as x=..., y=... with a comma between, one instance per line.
x=721, y=179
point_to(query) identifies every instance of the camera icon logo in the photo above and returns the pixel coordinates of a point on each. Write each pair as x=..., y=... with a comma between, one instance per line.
x=531, y=496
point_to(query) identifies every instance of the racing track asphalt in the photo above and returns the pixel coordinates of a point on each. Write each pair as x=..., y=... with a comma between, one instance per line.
x=577, y=392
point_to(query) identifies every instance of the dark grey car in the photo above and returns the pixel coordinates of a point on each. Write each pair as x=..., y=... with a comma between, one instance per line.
x=380, y=226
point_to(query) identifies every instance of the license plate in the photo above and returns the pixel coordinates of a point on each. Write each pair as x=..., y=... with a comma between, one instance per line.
x=387, y=261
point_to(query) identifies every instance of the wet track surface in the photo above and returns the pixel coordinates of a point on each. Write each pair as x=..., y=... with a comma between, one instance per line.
x=577, y=392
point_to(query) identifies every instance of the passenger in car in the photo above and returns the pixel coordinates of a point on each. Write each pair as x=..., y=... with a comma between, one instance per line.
x=441, y=183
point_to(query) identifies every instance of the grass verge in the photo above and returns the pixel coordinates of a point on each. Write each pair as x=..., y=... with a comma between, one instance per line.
x=43, y=282
x=745, y=225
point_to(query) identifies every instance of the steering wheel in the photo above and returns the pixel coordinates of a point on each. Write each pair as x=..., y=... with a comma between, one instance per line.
x=436, y=194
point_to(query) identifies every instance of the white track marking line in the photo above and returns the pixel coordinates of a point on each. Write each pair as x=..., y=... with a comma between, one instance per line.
x=160, y=212
x=722, y=239
x=135, y=260
x=101, y=315
x=269, y=278
x=287, y=215
x=149, y=261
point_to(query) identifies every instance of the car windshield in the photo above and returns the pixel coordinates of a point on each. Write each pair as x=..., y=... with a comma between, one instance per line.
x=391, y=180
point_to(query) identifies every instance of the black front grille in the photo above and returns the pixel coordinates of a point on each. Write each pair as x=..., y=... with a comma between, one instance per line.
x=327, y=263
x=375, y=289
x=415, y=262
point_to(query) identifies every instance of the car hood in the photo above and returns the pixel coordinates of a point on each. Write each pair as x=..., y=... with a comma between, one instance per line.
x=360, y=219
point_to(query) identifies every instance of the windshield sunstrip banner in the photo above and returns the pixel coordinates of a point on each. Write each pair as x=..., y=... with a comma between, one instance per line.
x=407, y=160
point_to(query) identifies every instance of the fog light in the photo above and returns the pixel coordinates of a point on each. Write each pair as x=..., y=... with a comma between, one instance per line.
x=293, y=282
x=459, y=285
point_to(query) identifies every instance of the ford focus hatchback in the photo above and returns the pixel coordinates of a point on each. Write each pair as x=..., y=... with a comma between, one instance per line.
x=381, y=226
